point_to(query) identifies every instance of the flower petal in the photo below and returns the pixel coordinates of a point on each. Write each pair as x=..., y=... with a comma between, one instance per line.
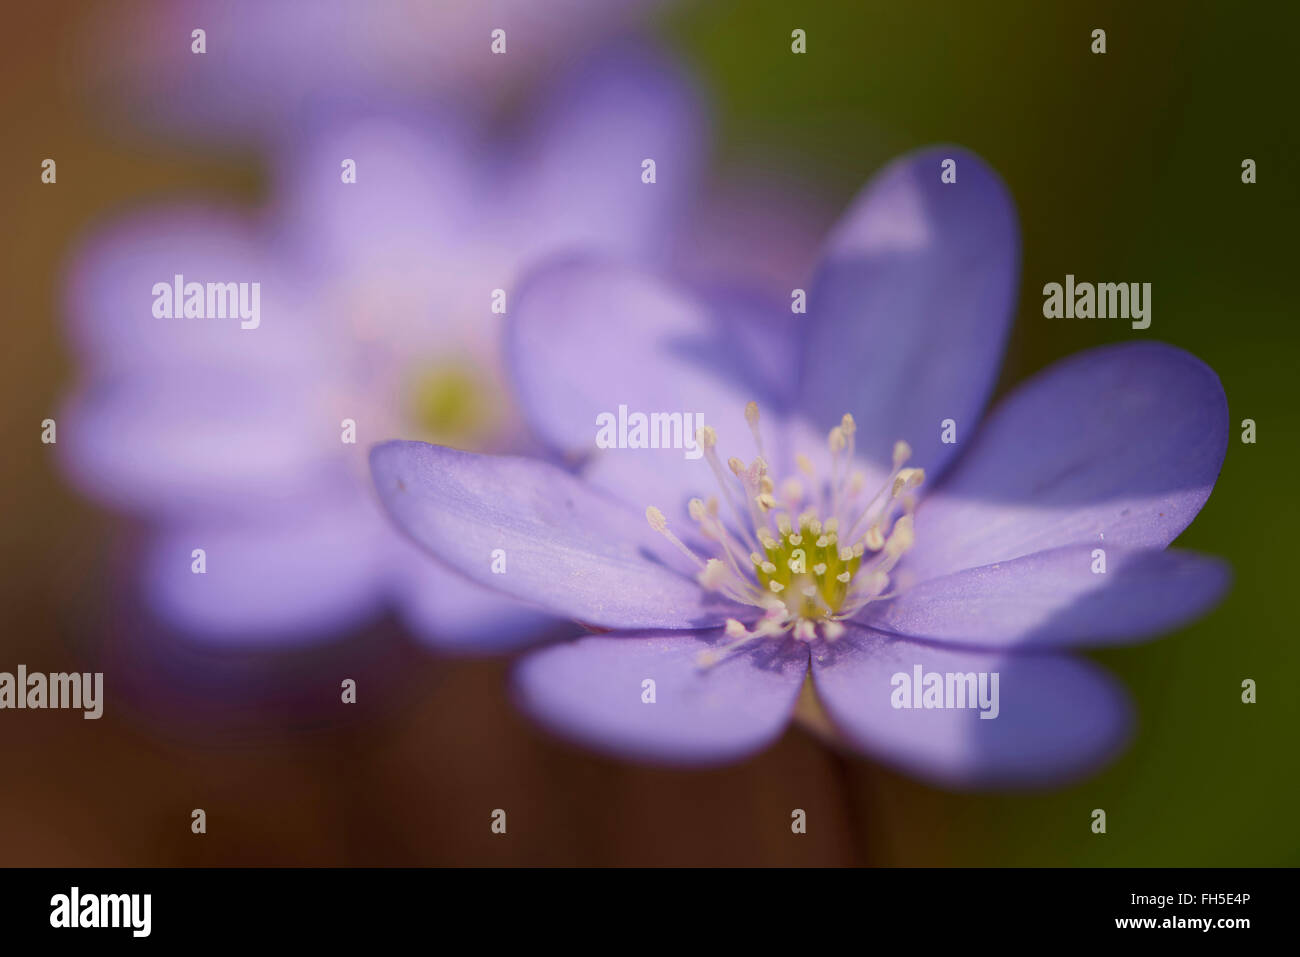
x=578, y=178
x=1117, y=446
x=760, y=229
x=404, y=257
x=408, y=212
x=594, y=691
x=176, y=441
x=110, y=300
x=586, y=337
x=910, y=309
x=449, y=612
x=1058, y=718
x=589, y=339
x=568, y=549
x=1054, y=599
x=283, y=577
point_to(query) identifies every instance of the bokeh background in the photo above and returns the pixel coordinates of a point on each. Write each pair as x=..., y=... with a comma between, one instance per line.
x=1124, y=166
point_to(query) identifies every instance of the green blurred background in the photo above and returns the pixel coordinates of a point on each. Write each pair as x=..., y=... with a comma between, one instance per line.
x=1124, y=166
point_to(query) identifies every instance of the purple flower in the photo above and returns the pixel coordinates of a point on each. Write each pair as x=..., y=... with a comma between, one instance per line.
x=375, y=308
x=918, y=595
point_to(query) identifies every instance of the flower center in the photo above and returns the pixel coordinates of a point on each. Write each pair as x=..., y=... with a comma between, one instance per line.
x=807, y=553
x=448, y=404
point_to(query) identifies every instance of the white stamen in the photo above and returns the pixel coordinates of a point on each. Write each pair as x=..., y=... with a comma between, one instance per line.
x=751, y=416
x=746, y=572
x=660, y=525
x=716, y=576
x=901, y=538
x=708, y=439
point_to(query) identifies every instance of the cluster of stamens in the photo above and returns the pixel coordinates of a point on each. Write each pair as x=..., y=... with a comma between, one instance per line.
x=804, y=573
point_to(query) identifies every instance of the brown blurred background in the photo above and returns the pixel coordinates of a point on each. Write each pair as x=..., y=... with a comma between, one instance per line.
x=287, y=775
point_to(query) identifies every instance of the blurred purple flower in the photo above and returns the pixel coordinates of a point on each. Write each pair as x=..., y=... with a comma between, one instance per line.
x=992, y=572
x=376, y=307
x=266, y=60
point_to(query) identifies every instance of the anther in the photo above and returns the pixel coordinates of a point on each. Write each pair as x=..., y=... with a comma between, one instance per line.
x=751, y=416
x=656, y=519
x=907, y=478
